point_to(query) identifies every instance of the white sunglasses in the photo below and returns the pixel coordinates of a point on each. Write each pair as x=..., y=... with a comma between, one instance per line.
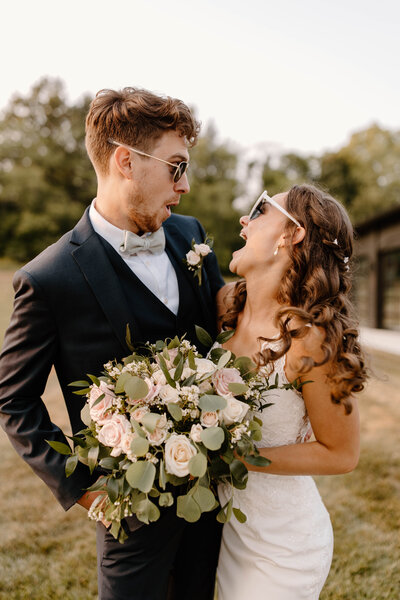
x=256, y=211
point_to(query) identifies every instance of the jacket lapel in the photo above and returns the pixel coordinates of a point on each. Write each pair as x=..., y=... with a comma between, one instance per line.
x=92, y=259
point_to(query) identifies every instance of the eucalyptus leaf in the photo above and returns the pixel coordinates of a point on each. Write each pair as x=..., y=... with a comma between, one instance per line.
x=150, y=421
x=140, y=475
x=139, y=446
x=162, y=476
x=213, y=437
x=120, y=384
x=238, y=470
x=204, y=498
x=257, y=461
x=166, y=499
x=245, y=365
x=211, y=402
x=241, y=517
x=128, y=338
x=188, y=509
x=238, y=389
x=203, y=336
x=147, y=511
x=174, y=343
x=109, y=463
x=175, y=411
x=136, y=388
x=112, y=489
x=92, y=457
x=224, y=359
x=85, y=415
x=198, y=465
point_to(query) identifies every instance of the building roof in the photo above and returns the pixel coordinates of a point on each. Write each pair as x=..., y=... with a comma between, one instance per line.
x=379, y=221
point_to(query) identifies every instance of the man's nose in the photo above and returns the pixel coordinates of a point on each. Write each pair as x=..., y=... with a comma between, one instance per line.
x=182, y=185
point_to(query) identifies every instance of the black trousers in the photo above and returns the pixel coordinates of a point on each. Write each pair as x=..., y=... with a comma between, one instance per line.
x=166, y=560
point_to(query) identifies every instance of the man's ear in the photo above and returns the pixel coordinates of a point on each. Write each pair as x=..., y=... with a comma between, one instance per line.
x=122, y=158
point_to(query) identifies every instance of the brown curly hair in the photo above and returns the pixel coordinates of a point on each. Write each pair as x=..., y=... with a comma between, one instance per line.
x=315, y=292
x=135, y=117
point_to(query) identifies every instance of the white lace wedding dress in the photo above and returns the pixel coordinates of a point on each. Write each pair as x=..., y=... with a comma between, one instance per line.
x=284, y=549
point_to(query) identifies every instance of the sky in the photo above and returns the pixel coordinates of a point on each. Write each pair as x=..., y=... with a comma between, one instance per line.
x=296, y=75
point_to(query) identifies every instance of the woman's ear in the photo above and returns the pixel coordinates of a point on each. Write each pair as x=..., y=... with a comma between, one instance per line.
x=299, y=235
x=123, y=161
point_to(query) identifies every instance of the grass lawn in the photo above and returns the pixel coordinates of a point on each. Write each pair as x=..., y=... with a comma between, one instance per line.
x=47, y=554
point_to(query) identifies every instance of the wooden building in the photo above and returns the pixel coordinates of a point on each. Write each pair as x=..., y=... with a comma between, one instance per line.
x=377, y=271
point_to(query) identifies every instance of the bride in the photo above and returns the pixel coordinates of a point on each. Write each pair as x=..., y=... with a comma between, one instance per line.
x=292, y=313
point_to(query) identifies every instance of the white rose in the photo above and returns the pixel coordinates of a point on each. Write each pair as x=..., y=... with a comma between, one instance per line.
x=209, y=418
x=158, y=436
x=113, y=431
x=99, y=412
x=204, y=367
x=126, y=442
x=178, y=452
x=234, y=412
x=159, y=377
x=195, y=432
x=222, y=378
x=193, y=258
x=202, y=249
x=169, y=394
x=187, y=372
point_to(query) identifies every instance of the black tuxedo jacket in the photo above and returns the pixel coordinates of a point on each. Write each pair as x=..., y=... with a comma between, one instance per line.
x=72, y=305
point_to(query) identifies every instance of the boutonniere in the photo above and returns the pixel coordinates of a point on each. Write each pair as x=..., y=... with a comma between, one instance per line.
x=195, y=256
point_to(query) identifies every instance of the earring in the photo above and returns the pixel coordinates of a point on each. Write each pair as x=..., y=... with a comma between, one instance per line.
x=276, y=251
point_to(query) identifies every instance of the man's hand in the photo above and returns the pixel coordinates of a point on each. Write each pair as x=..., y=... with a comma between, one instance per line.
x=87, y=500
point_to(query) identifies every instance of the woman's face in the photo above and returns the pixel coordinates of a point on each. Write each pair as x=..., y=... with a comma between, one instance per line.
x=262, y=236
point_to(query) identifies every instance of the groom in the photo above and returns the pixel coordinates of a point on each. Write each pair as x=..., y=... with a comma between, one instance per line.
x=121, y=264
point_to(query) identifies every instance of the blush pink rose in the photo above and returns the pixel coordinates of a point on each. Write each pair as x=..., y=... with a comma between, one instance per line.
x=113, y=432
x=223, y=377
x=99, y=412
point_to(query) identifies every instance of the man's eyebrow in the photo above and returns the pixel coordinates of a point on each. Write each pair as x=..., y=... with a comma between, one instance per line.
x=178, y=156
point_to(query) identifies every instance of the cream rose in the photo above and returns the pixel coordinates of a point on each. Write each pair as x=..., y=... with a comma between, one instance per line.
x=99, y=412
x=204, y=367
x=178, y=452
x=195, y=432
x=222, y=378
x=113, y=430
x=202, y=249
x=169, y=394
x=159, y=377
x=193, y=258
x=234, y=412
x=209, y=418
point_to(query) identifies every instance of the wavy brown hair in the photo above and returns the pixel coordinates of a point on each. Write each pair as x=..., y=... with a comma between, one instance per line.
x=315, y=292
x=135, y=117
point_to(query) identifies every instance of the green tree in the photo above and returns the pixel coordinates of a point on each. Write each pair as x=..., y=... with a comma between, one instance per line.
x=46, y=178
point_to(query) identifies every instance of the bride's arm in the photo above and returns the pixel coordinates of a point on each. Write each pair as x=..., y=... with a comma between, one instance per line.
x=337, y=436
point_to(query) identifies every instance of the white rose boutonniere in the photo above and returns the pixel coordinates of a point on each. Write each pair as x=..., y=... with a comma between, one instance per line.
x=195, y=256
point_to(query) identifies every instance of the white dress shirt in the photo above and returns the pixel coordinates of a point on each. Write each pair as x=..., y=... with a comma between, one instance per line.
x=155, y=271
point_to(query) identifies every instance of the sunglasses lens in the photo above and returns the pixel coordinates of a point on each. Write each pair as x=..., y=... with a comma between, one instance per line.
x=180, y=171
x=257, y=211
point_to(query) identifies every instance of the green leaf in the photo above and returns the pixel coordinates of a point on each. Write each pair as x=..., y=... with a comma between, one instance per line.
x=99, y=399
x=189, y=380
x=98, y=485
x=203, y=336
x=221, y=516
x=112, y=489
x=128, y=338
x=238, y=470
x=211, y=402
x=257, y=461
x=150, y=421
x=164, y=369
x=166, y=499
x=245, y=365
x=138, y=429
x=140, y=475
x=175, y=411
x=60, y=447
x=204, y=498
x=192, y=363
x=78, y=441
x=238, y=389
x=224, y=359
x=241, y=517
x=179, y=369
x=115, y=529
x=136, y=388
x=94, y=379
x=92, y=457
x=85, y=415
x=120, y=384
x=83, y=392
x=213, y=438
x=174, y=343
x=139, y=446
x=162, y=476
x=188, y=509
x=224, y=336
x=109, y=463
x=81, y=383
x=70, y=464
x=146, y=511
x=198, y=465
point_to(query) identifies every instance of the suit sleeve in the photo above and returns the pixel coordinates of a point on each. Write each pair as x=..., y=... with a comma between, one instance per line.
x=29, y=351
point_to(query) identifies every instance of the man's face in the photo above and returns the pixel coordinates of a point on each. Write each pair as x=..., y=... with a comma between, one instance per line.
x=153, y=191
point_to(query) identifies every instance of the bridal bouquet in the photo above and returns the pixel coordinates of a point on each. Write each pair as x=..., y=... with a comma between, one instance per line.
x=165, y=426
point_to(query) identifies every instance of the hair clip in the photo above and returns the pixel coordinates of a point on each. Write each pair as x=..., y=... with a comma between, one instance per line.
x=346, y=260
x=335, y=242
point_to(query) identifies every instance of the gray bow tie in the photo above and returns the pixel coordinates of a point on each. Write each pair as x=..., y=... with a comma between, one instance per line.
x=132, y=243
